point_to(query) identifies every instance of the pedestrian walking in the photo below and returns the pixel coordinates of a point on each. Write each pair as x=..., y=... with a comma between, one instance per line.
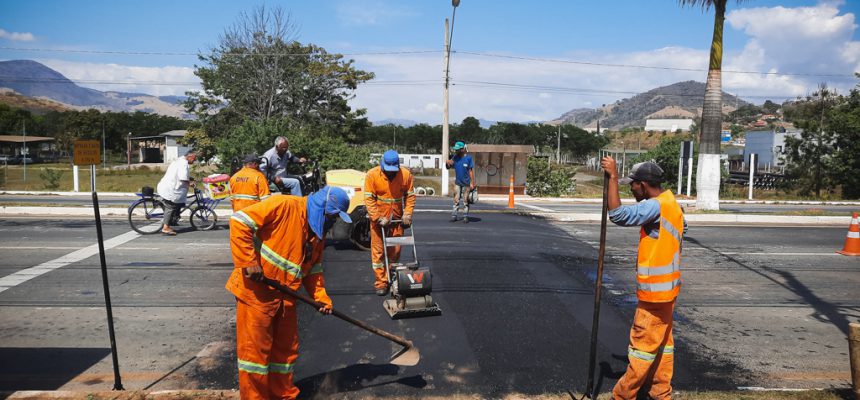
x=658, y=273
x=464, y=183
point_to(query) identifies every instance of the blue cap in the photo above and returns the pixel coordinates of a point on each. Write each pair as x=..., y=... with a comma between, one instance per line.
x=390, y=161
x=459, y=145
x=329, y=200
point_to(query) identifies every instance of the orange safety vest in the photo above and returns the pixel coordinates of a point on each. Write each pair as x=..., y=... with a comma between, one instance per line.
x=289, y=252
x=658, y=272
x=384, y=198
x=248, y=186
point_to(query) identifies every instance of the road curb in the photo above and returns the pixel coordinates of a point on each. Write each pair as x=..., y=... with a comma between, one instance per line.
x=81, y=211
x=696, y=219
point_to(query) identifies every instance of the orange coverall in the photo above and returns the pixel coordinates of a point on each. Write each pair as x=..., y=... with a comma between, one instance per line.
x=291, y=254
x=651, y=351
x=384, y=198
x=248, y=186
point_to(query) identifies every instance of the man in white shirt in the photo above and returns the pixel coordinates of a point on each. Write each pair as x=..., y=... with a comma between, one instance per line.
x=275, y=163
x=173, y=189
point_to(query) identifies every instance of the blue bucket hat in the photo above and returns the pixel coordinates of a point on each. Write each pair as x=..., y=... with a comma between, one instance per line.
x=329, y=200
x=459, y=145
x=390, y=161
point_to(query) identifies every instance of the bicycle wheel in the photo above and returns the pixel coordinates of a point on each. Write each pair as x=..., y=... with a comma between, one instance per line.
x=203, y=219
x=145, y=216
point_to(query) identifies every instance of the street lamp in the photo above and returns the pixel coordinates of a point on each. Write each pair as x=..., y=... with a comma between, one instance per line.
x=445, y=139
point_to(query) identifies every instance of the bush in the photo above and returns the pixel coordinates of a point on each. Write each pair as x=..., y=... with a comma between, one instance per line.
x=545, y=181
x=51, y=178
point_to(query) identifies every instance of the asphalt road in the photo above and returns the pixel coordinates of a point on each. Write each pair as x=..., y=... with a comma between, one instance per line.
x=760, y=307
x=546, y=205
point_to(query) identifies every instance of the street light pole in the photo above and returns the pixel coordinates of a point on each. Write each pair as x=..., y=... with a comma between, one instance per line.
x=445, y=138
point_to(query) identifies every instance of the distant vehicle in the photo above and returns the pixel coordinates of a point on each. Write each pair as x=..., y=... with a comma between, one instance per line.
x=6, y=158
x=21, y=160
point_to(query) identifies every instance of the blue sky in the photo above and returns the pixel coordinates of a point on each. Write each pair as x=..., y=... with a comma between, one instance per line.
x=806, y=37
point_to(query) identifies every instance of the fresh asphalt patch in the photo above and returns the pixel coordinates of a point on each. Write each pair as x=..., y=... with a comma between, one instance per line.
x=516, y=294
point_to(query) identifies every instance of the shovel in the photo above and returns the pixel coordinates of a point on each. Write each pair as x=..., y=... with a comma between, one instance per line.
x=407, y=356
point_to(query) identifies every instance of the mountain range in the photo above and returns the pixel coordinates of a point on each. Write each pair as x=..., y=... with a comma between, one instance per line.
x=35, y=80
x=32, y=85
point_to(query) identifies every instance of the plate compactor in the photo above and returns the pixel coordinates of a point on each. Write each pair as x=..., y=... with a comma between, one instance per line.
x=410, y=283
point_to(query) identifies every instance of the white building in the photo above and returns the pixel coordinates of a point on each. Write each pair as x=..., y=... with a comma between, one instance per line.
x=414, y=160
x=768, y=146
x=172, y=149
x=668, y=125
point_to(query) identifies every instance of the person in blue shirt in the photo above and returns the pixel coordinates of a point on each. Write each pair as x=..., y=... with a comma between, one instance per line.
x=465, y=181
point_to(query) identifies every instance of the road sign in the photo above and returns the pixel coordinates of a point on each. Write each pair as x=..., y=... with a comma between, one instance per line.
x=87, y=152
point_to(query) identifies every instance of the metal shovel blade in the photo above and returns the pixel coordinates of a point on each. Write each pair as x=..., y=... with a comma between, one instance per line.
x=407, y=356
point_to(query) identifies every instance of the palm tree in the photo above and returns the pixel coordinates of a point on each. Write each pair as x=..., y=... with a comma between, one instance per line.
x=708, y=169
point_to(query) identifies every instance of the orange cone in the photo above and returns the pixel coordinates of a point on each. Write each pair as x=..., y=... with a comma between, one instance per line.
x=852, y=241
x=511, y=194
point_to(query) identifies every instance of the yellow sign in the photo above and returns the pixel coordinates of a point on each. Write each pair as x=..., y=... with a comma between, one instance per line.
x=87, y=152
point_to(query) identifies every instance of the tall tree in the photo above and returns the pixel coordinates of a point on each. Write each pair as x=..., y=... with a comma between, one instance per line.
x=708, y=168
x=258, y=70
x=810, y=155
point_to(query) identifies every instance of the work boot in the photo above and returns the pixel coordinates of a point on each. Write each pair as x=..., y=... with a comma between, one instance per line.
x=453, y=218
x=382, y=291
x=466, y=219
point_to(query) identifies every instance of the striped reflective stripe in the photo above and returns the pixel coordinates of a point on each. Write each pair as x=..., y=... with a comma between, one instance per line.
x=266, y=196
x=671, y=228
x=286, y=265
x=384, y=200
x=245, y=220
x=410, y=193
x=253, y=368
x=316, y=269
x=668, y=349
x=378, y=265
x=368, y=194
x=661, y=270
x=640, y=354
x=854, y=235
x=659, y=287
x=244, y=197
x=279, y=368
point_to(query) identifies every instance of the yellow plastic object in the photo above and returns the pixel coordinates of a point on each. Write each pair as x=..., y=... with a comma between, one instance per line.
x=350, y=180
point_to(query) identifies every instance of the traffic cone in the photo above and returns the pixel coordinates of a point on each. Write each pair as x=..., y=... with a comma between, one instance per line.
x=511, y=194
x=852, y=241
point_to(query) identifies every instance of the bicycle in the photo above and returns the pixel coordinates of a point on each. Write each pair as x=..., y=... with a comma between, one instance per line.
x=145, y=214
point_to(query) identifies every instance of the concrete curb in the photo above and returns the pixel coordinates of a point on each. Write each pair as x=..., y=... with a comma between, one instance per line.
x=504, y=198
x=81, y=211
x=34, y=193
x=696, y=219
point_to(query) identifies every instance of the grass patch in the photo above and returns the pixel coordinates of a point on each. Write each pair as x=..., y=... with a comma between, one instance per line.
x=40, y=176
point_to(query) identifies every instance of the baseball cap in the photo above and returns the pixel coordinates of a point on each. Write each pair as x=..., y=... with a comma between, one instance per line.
x=459, y=145
x=644, y=172
x=390, y=161
x=251, y=157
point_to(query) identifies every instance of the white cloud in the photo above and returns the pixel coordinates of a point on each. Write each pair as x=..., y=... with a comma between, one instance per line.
x=802, y=40
x=17, y=36
x=157, y=81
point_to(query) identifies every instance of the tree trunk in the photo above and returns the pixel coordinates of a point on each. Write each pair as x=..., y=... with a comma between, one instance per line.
x=708, y=169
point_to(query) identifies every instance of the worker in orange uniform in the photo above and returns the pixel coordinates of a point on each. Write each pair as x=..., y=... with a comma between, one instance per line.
x=658, y=274
x=386, y=189
x=291, y=231
x=248, y=185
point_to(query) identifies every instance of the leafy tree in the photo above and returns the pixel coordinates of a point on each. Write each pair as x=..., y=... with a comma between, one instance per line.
x=810, y=156
x=845, y=124
x=545, y=181
x=666, y=155
x=259, y=71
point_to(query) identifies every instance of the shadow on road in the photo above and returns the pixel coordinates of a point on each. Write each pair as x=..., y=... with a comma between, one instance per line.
x=353, y=378
x=824, y=311
x=45, y=368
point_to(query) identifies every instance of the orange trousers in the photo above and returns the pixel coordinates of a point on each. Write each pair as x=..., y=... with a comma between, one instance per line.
x=265, y=364
x=651, y=353
x=377, y=257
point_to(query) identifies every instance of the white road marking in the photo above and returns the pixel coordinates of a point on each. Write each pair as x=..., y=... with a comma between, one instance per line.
x=541, y=209
x=17, y=278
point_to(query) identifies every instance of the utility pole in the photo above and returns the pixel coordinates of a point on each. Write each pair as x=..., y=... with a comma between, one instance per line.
x=558, y=149
x=395, y=138
x=24, y=148
x=128, y=150
x=104, y=153
x=445, y=139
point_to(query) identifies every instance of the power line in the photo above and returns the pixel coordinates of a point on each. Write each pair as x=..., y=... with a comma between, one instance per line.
x=414, y=52
x=163, y=53
x=180, y=83
x=597, y=64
